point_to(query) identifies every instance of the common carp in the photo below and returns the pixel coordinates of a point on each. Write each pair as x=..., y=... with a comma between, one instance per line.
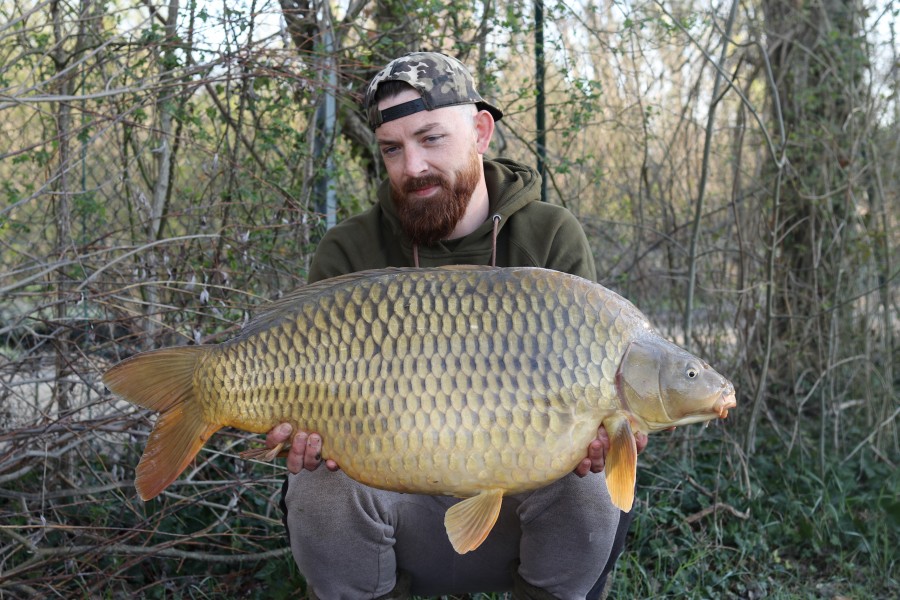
x=474, y=382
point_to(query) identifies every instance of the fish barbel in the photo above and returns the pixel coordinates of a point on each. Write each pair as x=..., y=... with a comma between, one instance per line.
x=475, y=382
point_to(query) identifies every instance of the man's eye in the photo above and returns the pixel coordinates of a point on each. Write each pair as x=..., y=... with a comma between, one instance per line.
x=389, y=150
x=433, y=138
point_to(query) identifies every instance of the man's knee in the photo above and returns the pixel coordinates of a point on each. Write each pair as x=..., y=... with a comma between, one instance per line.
x=328, y=502
x=572, y=498
x=568, y=532
x=340, y=534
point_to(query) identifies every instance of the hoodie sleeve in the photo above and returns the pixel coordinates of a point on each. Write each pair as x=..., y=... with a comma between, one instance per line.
x=361, y=242
x=352, y=245
x=330, y=260
x=569, y=249
x=549, y=236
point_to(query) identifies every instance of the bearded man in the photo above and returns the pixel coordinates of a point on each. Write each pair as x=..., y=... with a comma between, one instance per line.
x=444, y=203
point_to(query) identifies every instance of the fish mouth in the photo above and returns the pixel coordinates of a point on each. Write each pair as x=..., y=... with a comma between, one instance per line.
x=719, y=408
x=725, y=402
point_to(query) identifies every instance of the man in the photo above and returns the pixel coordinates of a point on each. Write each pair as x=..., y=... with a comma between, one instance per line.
x=444, y=204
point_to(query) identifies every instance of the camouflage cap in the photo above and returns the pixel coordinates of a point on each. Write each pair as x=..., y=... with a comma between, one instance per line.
x=441, y=80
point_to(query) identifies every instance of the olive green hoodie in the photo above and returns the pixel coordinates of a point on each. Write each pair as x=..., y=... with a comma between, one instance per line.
x=531, y=233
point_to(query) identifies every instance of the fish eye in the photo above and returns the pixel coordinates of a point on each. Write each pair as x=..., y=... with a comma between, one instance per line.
x=692, y=372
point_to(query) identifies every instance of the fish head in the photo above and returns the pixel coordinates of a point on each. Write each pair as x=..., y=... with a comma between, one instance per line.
x=663, y=385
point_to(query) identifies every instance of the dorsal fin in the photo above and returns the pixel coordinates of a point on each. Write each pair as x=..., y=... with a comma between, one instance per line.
x=272, y=312
x=462, y=268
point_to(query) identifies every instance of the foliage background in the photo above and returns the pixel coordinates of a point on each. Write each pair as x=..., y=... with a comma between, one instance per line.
x=167, y=166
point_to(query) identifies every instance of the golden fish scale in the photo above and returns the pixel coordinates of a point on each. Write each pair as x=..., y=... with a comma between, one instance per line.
x=443, y=382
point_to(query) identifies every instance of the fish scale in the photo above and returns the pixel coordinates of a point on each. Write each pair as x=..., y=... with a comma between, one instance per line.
x=467, y=381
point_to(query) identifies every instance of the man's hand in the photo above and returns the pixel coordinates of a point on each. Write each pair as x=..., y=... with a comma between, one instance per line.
x=305, y=451
x=595, y=461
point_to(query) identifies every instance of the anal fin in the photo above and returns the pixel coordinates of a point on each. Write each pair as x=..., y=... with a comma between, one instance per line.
x=469, y=522
x=621, y=462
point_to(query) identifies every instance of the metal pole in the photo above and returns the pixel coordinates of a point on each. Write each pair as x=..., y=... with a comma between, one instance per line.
x=540, y=110
x=326, y=118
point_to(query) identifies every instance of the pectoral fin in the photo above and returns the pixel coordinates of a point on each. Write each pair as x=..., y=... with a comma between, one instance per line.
x=621, y=462
x=469, y=522
x=265, y=454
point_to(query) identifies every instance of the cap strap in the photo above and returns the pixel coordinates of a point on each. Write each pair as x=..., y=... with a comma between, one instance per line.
x=402, y=110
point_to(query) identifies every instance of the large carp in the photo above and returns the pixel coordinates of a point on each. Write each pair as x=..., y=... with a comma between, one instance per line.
x=466, y=381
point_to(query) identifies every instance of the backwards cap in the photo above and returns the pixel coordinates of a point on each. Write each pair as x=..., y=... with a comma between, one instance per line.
x=441, y=80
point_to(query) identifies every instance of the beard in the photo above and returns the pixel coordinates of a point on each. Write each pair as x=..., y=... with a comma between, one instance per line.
x=429, y=220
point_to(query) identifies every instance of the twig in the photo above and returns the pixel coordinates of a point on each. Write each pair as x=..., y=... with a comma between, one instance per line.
x=164, y=552
x=119, y=549
x=871, y=435
x=704, y=177
x=700, y=488
x=128, y=484
x=716, y=508
x=139, y=249
x=15, y=475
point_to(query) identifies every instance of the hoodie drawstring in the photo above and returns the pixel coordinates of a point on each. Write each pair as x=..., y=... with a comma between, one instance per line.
x=496, y=218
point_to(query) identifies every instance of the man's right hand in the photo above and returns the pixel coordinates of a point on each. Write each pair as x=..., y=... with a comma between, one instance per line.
x=305, y=450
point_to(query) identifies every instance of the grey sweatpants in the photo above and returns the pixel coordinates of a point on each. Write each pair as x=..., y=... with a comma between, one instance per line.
x=349, y=540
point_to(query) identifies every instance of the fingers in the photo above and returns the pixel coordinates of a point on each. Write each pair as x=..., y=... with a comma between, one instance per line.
x=294, y=461
x=278, y=434
x=313, y=455
x=603, y=437
x=305, y=452
x=597, y=452
x=595, y=461
x=597, y=449
x=640, y=440
x=583, y=468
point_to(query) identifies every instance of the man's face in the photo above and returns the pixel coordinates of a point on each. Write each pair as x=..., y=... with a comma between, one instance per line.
x=433, y=165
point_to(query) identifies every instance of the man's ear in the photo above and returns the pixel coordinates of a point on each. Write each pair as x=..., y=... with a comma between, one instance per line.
x=484, y=130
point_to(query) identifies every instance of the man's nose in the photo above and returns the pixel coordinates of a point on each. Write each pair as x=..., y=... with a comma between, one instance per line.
x=414, y=162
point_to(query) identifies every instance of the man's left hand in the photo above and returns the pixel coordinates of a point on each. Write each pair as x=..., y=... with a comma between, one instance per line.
x=595, y=461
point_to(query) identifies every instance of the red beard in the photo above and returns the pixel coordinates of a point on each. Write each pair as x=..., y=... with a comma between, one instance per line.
x=429, y=220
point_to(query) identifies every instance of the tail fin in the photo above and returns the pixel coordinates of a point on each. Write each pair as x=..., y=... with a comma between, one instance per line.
x=163, y=380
